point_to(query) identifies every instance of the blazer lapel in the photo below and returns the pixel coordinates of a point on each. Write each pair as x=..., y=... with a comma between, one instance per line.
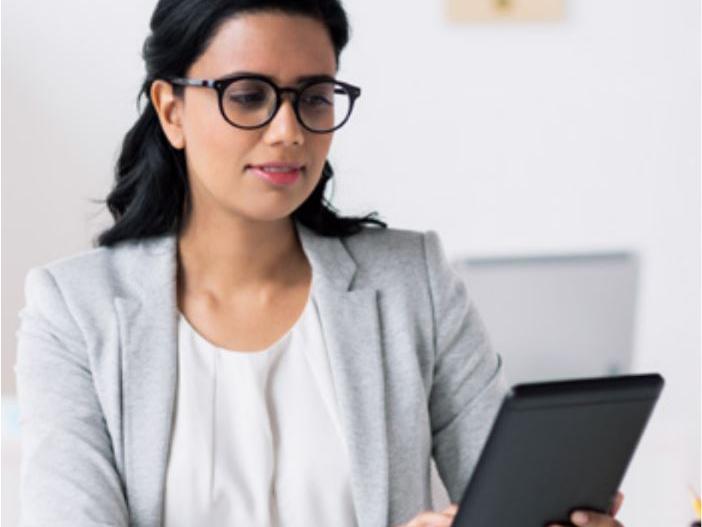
x=148, y=334
x=351, y=328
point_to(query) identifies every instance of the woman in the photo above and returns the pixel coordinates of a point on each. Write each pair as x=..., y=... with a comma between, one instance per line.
x=234, y=352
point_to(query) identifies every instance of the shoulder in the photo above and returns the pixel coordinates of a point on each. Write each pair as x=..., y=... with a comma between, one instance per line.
x=92, y=272
x=393, y=242
x=384, y=239
x=391, y=252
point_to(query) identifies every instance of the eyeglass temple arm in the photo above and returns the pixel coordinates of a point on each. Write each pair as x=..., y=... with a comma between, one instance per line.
x=192, y=82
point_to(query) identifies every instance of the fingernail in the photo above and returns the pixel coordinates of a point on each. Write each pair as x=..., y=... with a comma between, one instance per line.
x=579, y=518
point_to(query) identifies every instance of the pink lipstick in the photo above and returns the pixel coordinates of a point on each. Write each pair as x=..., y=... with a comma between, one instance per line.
x=281, y=174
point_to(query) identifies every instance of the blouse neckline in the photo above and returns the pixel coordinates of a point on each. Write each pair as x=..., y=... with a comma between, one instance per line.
x=278, y=344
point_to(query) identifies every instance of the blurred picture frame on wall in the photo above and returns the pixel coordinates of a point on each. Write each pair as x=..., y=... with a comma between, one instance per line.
x=466, y=11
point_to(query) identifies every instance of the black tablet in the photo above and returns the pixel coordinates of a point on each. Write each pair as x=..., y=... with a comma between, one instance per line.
x=555, y=447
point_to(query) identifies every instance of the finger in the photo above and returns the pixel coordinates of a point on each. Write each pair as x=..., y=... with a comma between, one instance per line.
x=430, y=519
x=593, y=519
x=618, y=500
x=450, y=510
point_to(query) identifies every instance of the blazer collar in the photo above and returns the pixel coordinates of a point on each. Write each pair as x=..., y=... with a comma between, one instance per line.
x=151, y=264
x=147, y=321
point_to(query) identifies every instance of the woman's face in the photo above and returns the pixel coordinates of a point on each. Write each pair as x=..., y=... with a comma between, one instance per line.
x=219, y=156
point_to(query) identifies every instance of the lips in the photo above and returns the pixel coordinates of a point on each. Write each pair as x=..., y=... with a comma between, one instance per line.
x=278, y=173
x=278, y=166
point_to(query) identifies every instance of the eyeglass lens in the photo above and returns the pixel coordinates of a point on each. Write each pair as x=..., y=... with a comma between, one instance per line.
x=251, y=102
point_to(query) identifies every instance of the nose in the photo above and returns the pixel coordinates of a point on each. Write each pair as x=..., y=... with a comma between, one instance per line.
x=284, y=128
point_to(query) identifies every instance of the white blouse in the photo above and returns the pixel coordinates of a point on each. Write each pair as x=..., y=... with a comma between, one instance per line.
x=256, y=438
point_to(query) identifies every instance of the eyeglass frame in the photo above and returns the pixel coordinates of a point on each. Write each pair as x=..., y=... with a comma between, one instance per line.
x=220, y=85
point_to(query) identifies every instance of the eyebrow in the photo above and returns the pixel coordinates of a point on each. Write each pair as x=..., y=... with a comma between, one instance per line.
x=297, y=80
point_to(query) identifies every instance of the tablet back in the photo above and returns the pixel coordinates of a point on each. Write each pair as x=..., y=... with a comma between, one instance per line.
x=555, y=447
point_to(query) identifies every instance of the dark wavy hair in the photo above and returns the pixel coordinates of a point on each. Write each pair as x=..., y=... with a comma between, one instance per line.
x=150, y=196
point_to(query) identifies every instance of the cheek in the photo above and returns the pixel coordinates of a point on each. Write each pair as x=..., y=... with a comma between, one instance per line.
x=319, y=150
x=215, y=150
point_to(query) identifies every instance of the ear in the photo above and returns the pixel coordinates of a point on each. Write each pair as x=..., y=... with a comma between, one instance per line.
x=169, y=109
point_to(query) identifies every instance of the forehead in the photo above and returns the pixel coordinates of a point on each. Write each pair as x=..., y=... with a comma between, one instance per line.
x=282, y=46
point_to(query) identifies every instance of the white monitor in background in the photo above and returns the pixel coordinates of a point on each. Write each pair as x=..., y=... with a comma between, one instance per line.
x=557, y=317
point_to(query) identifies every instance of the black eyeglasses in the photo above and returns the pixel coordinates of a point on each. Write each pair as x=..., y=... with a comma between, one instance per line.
x=322, y=104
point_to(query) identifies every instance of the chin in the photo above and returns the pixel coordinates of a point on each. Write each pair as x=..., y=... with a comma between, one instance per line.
x=268, y=214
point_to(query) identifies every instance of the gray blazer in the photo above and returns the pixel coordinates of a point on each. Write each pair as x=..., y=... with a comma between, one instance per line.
x=97, y=368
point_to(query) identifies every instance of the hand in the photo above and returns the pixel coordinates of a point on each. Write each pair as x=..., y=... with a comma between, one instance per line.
x=433, y=519
x=594, y=519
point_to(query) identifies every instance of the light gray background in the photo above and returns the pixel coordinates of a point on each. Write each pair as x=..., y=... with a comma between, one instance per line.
x=576, y=136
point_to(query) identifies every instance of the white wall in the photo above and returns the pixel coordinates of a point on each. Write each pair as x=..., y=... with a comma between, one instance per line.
x=574, y=136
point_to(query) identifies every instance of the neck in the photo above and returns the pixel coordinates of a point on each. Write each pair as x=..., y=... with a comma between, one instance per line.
x=239, y=255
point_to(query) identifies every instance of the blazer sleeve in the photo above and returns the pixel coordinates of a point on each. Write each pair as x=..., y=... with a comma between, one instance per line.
x=68, y=475
x=468, y=384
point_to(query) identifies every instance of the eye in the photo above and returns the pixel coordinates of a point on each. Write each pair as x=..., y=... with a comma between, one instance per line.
x=317, y=100
x=248, y=98
x=247, y=94
x=319, y=96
